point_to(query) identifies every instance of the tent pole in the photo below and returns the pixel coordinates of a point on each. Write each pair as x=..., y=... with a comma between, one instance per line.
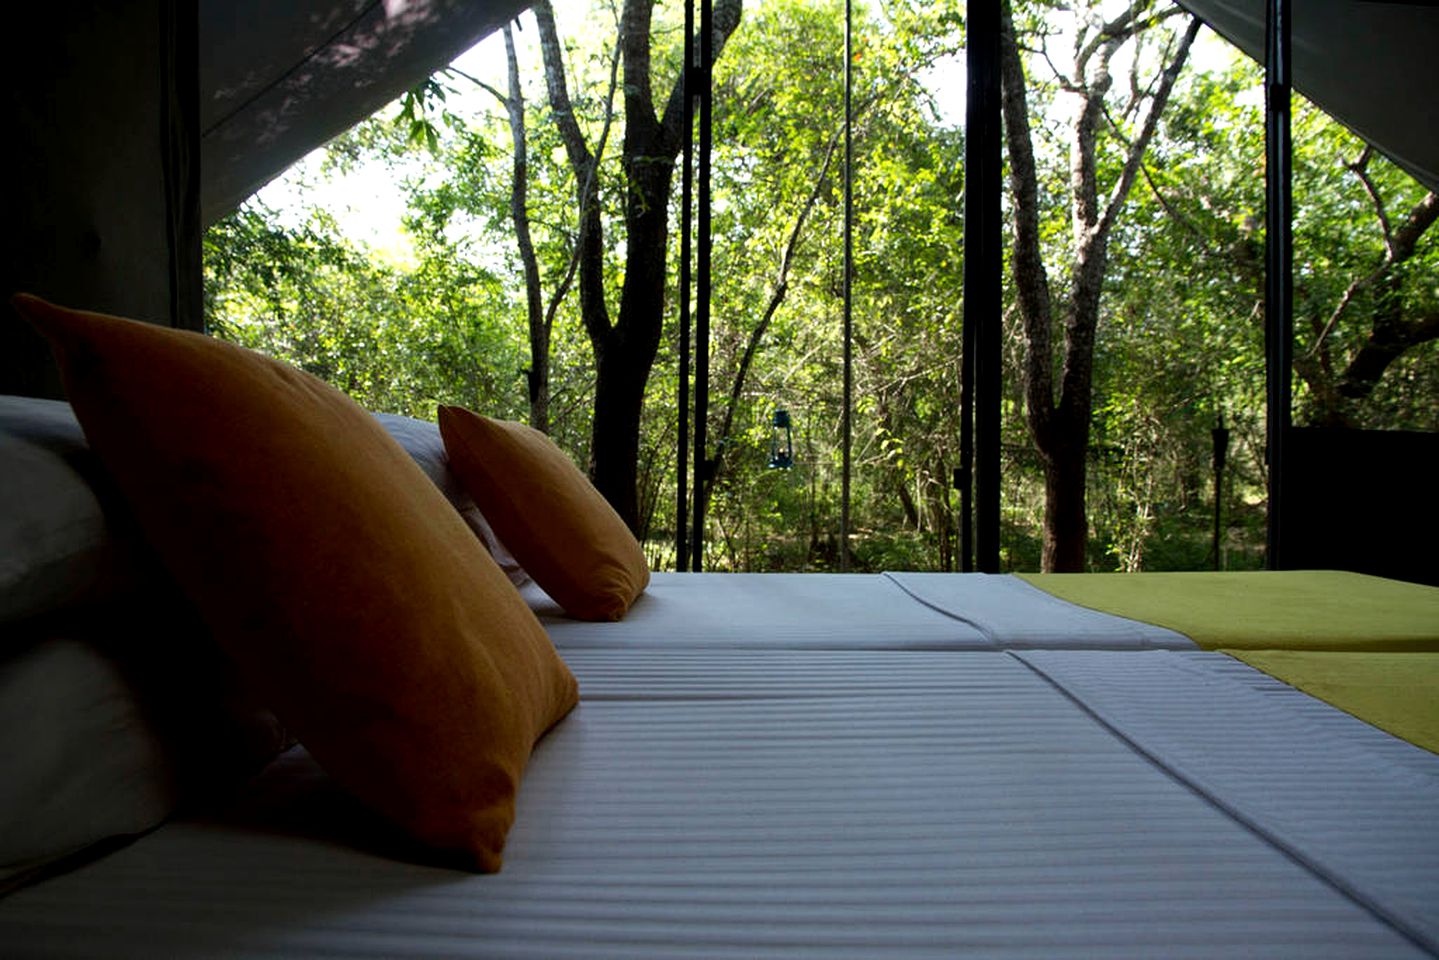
x=1278, y=265
x=682, y=405
x=963, y=480
x=983, y=275
x=703, y=465
x=846, y=423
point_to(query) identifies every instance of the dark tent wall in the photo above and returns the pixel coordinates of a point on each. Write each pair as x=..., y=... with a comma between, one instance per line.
x=101, y=203
x=280, y=77
x=133, y=122
x=1357, y=500
x=1361, y=500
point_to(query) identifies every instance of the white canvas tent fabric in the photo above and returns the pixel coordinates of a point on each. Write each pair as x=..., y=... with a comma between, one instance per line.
x=1369, y=64
x=278, y=78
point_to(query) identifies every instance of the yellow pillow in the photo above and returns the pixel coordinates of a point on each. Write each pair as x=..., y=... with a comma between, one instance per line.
x=565, y=535
x=329, y=567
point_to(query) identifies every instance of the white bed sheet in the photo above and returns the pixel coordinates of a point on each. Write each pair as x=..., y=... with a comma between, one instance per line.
x=833, y=611
x=1352, y=803
x=1015, y=615
x=784, y=803
x=818, y=611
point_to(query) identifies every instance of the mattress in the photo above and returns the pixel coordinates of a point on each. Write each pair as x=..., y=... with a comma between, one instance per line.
x=817, y=611
x=833, y=803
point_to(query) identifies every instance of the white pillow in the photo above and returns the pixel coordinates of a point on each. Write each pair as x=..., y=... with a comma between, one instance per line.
x=422, y=441
x=105, y=737
x=57, y=546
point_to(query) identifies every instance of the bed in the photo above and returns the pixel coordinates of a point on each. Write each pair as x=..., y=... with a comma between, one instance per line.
x=768, y=765
x=859, y=611
x=720, y=803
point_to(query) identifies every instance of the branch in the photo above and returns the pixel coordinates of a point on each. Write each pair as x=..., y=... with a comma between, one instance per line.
x=1421, y=217
x=671, y=124
x=560, y=104
x=587, y=190
x=1066, y=83
x=504, y=100
x=1398, y=247
x=519, y=212
x=1030, y=278
x=635, y=49
x=1357, y=284
x=1174, y=214
x=589, y=248
x=1360, y=168
x=1381, y=349
x=1120, y=192
x=1121, y=28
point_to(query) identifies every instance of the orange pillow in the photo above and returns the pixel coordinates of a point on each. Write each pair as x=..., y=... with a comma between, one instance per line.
x=329, y=567
x=565, y=535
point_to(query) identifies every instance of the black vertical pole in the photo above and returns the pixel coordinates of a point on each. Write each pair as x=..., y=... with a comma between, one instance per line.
x=983, y=266
x=702, y=293
x=1220, y=435
x=180, y=160
x=1278, y=261
x=846, y=422
x=682, y=412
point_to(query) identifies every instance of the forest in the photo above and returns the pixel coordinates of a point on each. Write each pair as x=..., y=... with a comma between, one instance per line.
x=535, y=275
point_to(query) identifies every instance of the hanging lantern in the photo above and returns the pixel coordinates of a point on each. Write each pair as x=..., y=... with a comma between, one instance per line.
x=781, y=441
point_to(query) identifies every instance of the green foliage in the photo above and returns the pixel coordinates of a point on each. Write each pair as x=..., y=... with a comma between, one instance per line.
x=1180, y=343
x=397, y=342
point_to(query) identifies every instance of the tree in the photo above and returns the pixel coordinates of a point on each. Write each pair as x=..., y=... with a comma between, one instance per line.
x=540, y=316
x=1400, y=318
x=625, y=346
x=1059, y=420
x=1177, y=334
x=396, y=341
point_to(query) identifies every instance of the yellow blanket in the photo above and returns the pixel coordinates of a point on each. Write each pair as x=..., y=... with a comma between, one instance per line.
x=1396, y=692
x=1264, y=610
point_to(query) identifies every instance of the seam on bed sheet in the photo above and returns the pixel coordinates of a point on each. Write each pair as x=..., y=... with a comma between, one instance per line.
x=1140, y=628
x=984, y=631
x=1377, y=910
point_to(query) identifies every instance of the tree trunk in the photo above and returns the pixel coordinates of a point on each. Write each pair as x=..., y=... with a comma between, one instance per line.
x=615, y=433
x=1066, y=525
x=625, y=349
x=538, y=376
x=626, y=352
x=1060, y=425
x=942, y=516
x=906, y=503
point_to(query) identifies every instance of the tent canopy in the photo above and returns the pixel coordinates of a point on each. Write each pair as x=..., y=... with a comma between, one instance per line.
x=1364, y=62
x=279, y=78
